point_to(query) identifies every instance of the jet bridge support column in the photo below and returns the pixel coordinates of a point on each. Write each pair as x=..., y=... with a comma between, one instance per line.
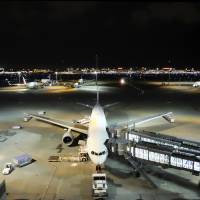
x=121, y=148
x=119, y=141
x=135, y=164
x=113, y=134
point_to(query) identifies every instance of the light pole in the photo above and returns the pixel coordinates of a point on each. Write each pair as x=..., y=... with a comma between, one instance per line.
x=56, y=76
x=96, y=76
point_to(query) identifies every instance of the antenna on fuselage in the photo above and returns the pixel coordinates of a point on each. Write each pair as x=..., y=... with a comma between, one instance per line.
x=97, y=80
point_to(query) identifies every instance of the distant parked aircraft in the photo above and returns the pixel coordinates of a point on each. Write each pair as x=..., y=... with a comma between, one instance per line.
x=33, y=84
x=196, y=84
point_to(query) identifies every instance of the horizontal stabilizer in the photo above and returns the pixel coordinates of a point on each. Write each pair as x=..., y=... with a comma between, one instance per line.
x=109, y=105
x=86, y=105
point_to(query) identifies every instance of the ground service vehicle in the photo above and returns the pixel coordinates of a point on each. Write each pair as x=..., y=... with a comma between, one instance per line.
x=8, y=169
x=99, y=186
x=22, y=160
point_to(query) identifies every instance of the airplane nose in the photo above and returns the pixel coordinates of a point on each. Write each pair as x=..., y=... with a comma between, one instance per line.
x=98, y=160
x=103, y=159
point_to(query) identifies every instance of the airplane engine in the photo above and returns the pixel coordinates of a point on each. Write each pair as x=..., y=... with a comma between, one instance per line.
x=68, y=138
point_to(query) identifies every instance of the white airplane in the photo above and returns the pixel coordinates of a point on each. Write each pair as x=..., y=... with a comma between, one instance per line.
x=196, y=84
x=29, y=85
x=33, y=84
x=96, y=131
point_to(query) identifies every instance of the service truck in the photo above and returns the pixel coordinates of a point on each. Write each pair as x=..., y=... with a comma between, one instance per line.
x=8, y=169
x=99, y=186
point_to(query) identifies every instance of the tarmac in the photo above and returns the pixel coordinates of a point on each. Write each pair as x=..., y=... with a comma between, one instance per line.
x=72, y=181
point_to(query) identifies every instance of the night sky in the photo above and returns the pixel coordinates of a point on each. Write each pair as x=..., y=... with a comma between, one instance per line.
x=71, y=33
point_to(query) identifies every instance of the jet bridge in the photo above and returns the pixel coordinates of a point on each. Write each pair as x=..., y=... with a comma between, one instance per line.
x=160, y=139
x=158, y=149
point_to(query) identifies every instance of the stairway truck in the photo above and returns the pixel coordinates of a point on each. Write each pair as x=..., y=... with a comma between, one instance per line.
x=22, y=160
x=99, y=186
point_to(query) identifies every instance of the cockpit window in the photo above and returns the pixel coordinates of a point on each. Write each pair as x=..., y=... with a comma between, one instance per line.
x=98, y=154
x=102, y=153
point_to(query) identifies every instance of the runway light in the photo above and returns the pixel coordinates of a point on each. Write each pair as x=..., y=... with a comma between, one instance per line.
x=122, y=81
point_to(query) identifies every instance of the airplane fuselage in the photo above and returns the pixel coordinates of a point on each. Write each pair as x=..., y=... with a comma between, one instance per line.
x=32, y=85
x=97, y=136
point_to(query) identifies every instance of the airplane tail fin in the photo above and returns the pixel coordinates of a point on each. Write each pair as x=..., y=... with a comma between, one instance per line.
x=8, y=82
x=97, y=89
x=24, y=80
x=97, y=80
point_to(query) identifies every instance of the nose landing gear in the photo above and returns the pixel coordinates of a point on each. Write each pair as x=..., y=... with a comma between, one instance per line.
x=98, y=168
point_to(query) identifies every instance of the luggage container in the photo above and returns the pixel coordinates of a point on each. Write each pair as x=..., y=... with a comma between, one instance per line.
x=22, y=160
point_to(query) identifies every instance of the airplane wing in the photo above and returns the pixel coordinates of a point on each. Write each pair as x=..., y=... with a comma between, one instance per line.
x=132, y=123
x=55, y=122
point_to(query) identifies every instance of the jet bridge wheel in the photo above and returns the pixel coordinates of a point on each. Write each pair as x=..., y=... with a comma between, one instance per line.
x=83, y=159
x=136, y=173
